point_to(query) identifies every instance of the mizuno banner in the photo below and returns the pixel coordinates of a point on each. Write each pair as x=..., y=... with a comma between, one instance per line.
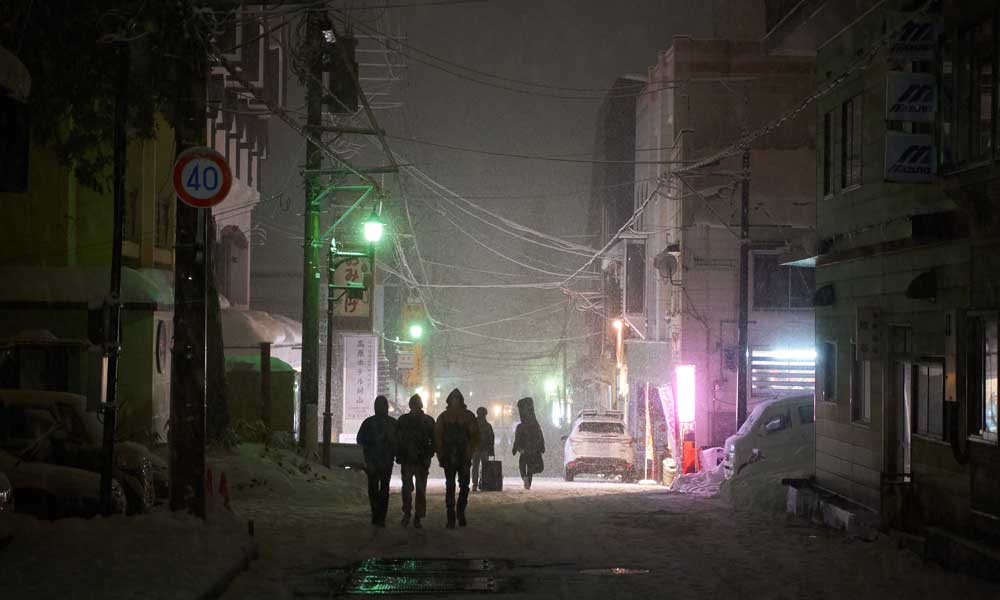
x=915, y=38
x=909, y=158
x=910, y=97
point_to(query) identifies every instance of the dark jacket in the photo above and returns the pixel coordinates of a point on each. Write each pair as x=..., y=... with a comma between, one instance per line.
x=378, y=439
x=486, y=437
x=456, y=433
x=416, y=439
x=528, y=439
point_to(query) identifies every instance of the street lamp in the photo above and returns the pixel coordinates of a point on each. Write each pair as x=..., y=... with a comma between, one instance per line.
x=416, y=331
x=617, y=324
x=551, y=385
x=373, y=228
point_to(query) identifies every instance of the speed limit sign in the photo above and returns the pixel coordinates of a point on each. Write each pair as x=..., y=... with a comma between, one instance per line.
x=201, y=177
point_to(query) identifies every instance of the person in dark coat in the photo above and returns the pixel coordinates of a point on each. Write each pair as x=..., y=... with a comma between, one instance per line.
x=484, y=450
x=378, y=439
x=416, y=448
x=456, y=436
x=528, y=441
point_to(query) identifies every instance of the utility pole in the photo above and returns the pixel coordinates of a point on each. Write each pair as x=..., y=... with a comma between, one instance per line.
x=331, y=268
x=743, y=366
x=313, y=51
x=113, y=320
x=188, y=366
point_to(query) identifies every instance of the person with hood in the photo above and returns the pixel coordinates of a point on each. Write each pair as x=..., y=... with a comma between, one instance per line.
x=484, y=450
x=528, y=441
x=456, y=436
x=378, y=439
x=416, y=447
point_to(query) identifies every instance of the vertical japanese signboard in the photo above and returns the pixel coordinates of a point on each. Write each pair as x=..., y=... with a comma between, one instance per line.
x=355, y=313
x=360, y=381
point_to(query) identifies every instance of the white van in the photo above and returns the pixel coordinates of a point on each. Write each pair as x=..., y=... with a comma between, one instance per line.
x=782, y=432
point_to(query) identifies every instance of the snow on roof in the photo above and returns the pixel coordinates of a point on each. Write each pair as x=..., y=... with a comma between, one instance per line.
x=84, y=285
x=242, y=328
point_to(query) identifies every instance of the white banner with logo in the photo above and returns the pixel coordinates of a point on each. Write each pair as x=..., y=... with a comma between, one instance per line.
x=910, y=97
x=909, y=158
x=915, y=37
x=360, y=381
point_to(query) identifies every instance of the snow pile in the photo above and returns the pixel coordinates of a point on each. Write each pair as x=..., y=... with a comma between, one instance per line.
x=705, y=483
x=255, y=472
x=758, y=485
x=159, y=555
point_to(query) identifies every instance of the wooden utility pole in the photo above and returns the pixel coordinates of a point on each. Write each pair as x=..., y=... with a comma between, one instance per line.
x=112, y=335
x=187, y=373
x=743, y=366
x=312, y=47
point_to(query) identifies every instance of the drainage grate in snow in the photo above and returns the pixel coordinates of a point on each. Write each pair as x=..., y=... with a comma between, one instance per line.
x=379, y=585
x=614, y=571
x=401, y=576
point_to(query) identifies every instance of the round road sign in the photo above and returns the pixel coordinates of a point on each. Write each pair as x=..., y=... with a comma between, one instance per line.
x=201, y=177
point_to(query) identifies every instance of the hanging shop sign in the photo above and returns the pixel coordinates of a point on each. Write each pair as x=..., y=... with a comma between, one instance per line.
x=909, y=158
x=915, y=38
x=201, y=177
x=910, y=97
x=360, y=382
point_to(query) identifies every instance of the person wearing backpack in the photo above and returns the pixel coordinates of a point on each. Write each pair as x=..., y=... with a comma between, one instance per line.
x=416, y=447
x=528, y=440
x=456, y=436
x=378, y=439
x=484, y=450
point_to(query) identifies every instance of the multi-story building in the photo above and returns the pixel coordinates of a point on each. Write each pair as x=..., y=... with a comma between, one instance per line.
x=56, y=233
x=681, y=259
x=906, y=268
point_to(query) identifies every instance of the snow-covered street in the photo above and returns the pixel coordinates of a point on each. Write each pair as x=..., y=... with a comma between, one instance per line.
x=311, y=533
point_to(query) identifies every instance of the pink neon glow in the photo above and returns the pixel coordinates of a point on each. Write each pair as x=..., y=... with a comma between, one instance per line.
x=684, y=377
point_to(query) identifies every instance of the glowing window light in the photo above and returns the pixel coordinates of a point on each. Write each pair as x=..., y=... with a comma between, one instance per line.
x=787, y=354
x=684, y=379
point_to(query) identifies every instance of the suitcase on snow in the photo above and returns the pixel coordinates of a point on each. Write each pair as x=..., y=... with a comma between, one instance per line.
x=492, y=476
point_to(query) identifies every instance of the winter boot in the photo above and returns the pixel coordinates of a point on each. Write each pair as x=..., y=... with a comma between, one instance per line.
x=406, y=519
x=451, y=519
x=461, y=519
x=416, y=523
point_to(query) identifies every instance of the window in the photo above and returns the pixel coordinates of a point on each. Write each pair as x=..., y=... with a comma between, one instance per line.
x=635, y=276
x=968, y=94
x=828, y=367
x=850, y=142
x=601, y=427
x=807, y=414
x=828, y=154
x=861, y=389
x=777, y=287
x=983, y=378
x=776, y=423
x=928, y=384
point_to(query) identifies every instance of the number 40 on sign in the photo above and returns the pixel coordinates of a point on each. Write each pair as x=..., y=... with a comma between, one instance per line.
x=201, y=177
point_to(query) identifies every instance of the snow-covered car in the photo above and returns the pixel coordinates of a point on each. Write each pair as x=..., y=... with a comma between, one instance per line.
x=55, y=428
x=780, y=433
x=599, y=445
x=53, y=491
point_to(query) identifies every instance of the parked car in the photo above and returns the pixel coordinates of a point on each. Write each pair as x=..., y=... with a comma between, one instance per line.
x=6, y=494
x=55, y=428
x=599, y=445
x=53, y=491
x=780, y=432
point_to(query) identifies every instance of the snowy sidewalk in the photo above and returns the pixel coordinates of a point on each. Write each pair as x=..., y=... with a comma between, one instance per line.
x=159, y=555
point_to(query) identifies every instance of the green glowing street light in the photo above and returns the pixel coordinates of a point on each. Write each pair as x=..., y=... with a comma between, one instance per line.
x=551, y=385
x=373, y=228
x=416, y=331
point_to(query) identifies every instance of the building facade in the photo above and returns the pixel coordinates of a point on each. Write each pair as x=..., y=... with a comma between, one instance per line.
x=681, y=258
x=906, y=274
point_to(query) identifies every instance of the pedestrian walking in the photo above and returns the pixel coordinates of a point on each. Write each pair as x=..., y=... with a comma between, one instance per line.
x=378, y=439
x=456, y=436
x=484, y=449
x=416, y=448
x=528, y=441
